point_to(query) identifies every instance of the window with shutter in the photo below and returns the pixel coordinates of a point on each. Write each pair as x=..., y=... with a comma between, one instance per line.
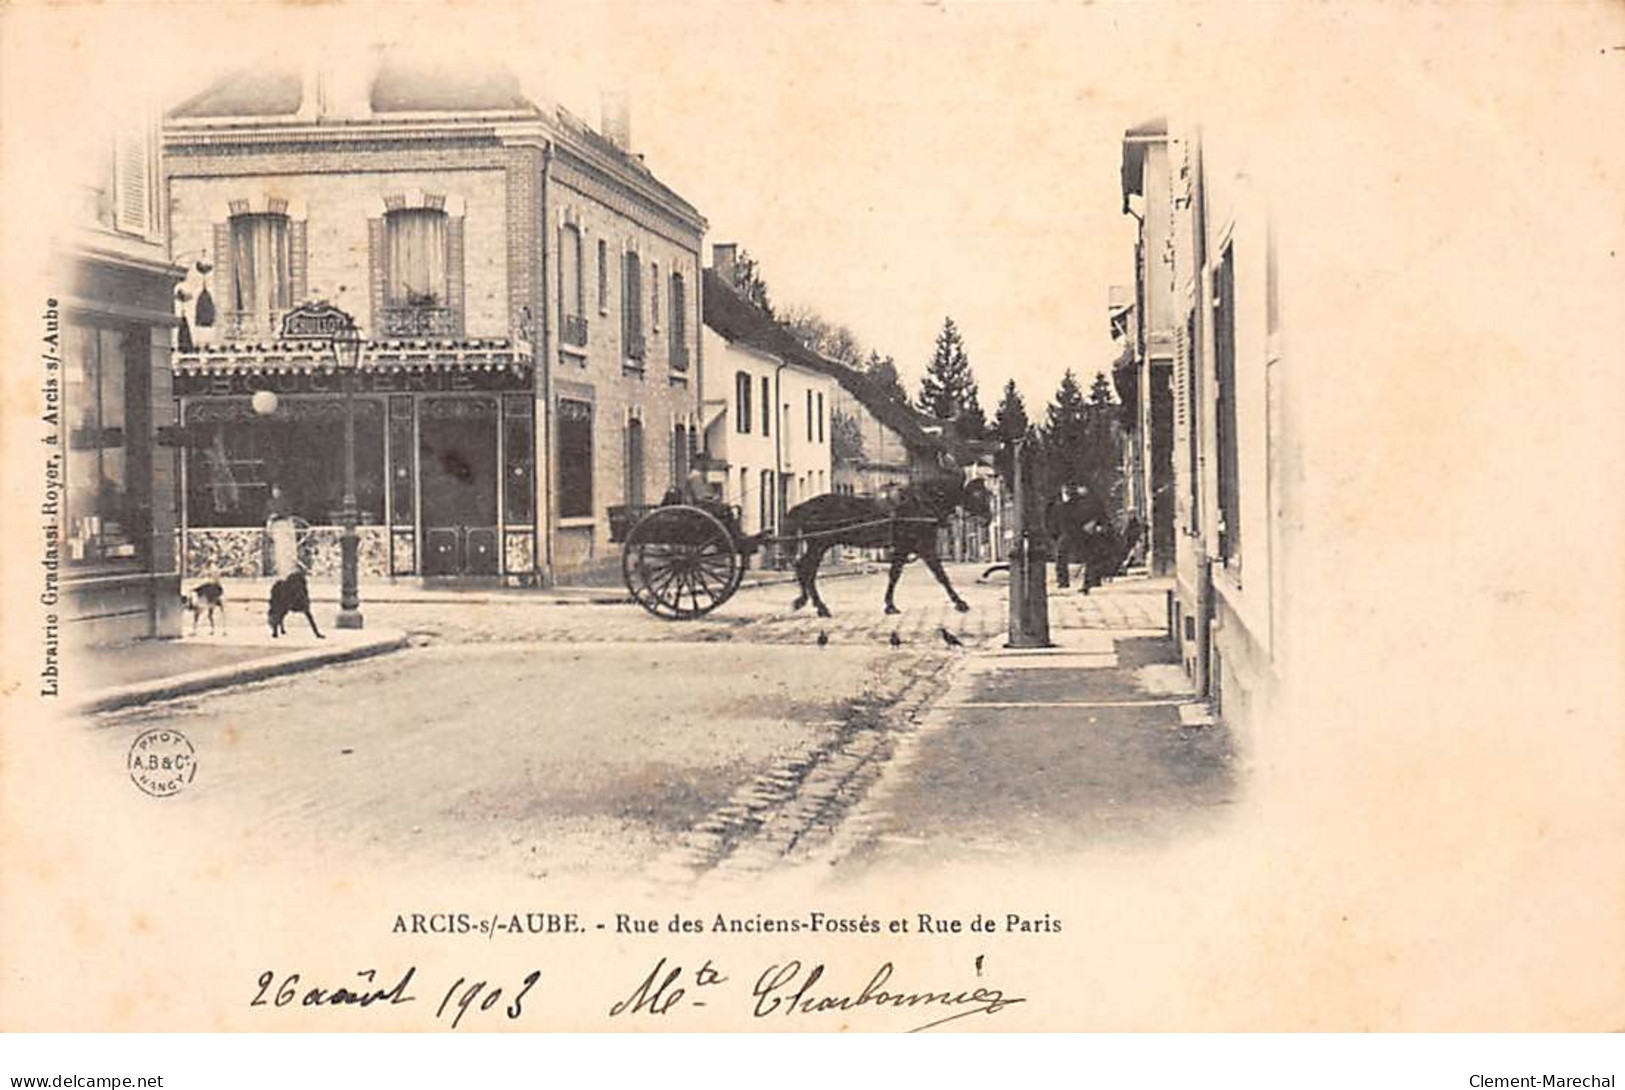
x=133, y=182
x=632, y=308
x=678, y=322
x=603, y=277
x=654, y=297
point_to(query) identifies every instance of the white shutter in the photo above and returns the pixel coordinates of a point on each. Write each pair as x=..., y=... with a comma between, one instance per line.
x=133, y=181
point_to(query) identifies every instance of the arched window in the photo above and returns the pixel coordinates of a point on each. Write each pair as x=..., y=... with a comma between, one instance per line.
x=415, y=258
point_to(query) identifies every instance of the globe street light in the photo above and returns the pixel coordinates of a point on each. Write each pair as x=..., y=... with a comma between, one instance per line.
x=346, y=345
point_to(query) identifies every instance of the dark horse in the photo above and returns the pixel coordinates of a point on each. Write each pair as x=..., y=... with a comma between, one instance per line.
x=908, y=526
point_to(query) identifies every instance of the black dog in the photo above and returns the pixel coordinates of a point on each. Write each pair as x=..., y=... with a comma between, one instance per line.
x=206, y=598
x=290, y=595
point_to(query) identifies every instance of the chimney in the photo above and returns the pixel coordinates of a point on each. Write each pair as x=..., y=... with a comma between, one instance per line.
x=617, y=119
x=725, y=260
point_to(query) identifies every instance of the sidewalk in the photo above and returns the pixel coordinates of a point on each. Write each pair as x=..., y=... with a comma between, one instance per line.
x=146, y=670
x=486, y=591
x=1033, y=752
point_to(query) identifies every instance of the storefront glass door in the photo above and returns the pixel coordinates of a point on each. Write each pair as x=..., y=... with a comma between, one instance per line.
x=457, y=450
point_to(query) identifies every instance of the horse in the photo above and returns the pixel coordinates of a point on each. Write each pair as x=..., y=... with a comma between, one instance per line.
x=908, y=526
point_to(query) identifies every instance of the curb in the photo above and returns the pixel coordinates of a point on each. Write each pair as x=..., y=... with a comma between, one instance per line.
x=147, y=692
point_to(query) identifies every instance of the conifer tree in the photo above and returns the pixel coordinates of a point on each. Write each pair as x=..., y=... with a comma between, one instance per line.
x=1011, y=423
x=948, y=388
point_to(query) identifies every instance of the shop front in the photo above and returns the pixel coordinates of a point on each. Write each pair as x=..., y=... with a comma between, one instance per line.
x=444, y=456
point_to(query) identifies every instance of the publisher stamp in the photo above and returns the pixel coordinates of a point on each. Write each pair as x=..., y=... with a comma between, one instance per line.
x=162, y=762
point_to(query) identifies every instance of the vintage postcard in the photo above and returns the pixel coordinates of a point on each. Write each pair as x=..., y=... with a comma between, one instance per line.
x=837, y=518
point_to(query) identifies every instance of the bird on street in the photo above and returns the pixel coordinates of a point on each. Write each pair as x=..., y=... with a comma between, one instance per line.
x=823, y=638
x=949, y=638
x=895, y=641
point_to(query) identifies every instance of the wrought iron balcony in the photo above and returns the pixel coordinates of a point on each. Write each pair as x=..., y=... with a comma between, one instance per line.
x=575, y=330
x=421, y=321
x=251, y=326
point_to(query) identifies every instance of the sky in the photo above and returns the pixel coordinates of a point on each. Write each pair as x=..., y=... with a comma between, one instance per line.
x=887, y=165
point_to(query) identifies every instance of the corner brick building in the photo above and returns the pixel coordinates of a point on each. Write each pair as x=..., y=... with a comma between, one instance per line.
x=529, y=293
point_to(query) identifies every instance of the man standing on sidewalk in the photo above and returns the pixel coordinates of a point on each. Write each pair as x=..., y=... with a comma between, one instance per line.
x=1095, y=536
x=1066, y=525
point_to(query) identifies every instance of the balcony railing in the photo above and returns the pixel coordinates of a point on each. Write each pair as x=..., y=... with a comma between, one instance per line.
x=421, y=321
x=575, y=330
x=251, y=325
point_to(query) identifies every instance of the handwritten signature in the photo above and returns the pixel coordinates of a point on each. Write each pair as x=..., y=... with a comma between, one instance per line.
x=791, y=990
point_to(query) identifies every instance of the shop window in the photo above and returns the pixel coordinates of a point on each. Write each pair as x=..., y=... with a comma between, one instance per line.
x=575, y=458
x=518, y=442
x=261, y=264
x=100, y=523
x=247, y=467
x=742, y=395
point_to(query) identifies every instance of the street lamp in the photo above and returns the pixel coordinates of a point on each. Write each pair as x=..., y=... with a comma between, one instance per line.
x=346, y=346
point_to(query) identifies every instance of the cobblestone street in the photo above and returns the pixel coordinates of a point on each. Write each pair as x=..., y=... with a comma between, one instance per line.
x=575, y=740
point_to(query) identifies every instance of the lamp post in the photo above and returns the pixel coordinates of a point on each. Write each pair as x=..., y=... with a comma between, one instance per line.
x=313, y=324
x=346, y=345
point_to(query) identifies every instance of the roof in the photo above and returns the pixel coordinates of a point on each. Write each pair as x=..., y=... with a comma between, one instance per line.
x=736, y=319
x=405, y=85
x=258, y=92
x=1135, y=140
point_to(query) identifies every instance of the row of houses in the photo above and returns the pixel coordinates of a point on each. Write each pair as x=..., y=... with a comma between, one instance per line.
x=1208, y=462
x=543, y=342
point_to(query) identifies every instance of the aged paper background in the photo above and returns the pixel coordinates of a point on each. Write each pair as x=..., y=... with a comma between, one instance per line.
x=1433, y=825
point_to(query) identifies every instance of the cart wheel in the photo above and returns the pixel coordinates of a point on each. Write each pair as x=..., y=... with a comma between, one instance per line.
x=680, y=563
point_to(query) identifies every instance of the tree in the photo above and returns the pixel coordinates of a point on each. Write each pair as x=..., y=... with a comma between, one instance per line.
x=845, y=437
x=1009, y=425
x=747, y=278
x=1083, y=440
x=1063, y=436
x=823, y=336
x=882, y=371
x=948, y=388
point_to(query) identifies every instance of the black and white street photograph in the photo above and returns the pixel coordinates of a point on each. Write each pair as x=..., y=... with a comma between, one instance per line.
x=941, y=517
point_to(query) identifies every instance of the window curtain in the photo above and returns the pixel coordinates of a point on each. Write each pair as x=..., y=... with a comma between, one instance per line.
x=260, y=268
x=415, y=269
